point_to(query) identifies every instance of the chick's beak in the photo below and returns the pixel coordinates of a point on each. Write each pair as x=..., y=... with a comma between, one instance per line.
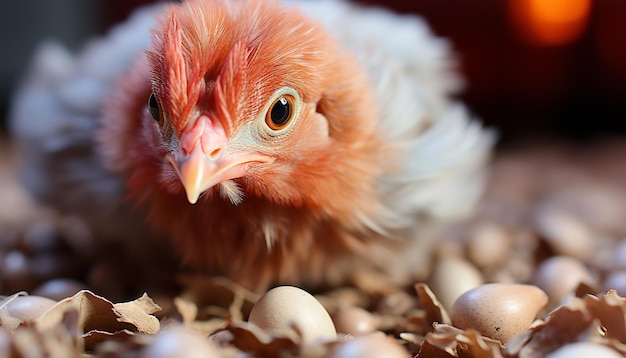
x=198, y=172
x=206, y=161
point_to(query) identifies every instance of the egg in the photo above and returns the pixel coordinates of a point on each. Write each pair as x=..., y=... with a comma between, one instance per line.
x=584, y=350
x=180, y=342
x=489, y=245
x=26, y=308
x=354, y=321
x=559, y=276
x=284, y=306
x=566, y=234
x=373, y=345
x=453, y=276
x=498, y=310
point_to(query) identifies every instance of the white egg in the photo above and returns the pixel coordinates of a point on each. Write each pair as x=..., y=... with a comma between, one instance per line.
x=453, y=276
x=284, y=306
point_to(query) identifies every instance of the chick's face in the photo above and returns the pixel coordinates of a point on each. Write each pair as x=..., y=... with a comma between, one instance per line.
x=239, y=112
x=265, y=147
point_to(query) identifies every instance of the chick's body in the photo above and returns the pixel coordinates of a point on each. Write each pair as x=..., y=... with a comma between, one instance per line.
x=272, y=143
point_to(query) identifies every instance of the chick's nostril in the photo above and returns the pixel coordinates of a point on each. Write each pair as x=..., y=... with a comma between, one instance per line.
x=215, y=153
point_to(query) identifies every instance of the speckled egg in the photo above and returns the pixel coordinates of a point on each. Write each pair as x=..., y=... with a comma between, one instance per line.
x=498, y=310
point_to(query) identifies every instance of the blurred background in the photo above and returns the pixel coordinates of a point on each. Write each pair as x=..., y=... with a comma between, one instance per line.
x=534, y=68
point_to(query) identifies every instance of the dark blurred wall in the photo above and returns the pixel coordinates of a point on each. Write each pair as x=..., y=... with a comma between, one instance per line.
x=574, y=90
x=23, y=24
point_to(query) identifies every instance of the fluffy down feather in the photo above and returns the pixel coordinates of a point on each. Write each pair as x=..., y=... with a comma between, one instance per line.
x=381, y=155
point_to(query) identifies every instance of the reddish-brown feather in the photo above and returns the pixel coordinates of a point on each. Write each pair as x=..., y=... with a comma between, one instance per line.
x=302, y=219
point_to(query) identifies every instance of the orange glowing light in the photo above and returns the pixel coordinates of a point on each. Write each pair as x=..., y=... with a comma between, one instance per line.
x=550, y=22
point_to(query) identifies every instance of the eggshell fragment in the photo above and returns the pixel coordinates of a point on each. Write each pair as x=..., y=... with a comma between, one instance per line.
x=284, y=306
x=566, y=234
x=584, y=350
x=559, y=276
x=373, y=345
x=355, y=321
x=453, y=276
x=489, y=245
x=25, y=308
x=498, y=310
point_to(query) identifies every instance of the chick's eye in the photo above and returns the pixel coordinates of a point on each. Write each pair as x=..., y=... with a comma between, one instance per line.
x=154, y=107
x=280, y=112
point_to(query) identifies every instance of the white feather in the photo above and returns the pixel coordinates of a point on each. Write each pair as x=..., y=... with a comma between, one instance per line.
x=414, y=75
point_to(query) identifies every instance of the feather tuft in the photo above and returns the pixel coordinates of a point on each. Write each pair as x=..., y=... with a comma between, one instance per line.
x=231, y=191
